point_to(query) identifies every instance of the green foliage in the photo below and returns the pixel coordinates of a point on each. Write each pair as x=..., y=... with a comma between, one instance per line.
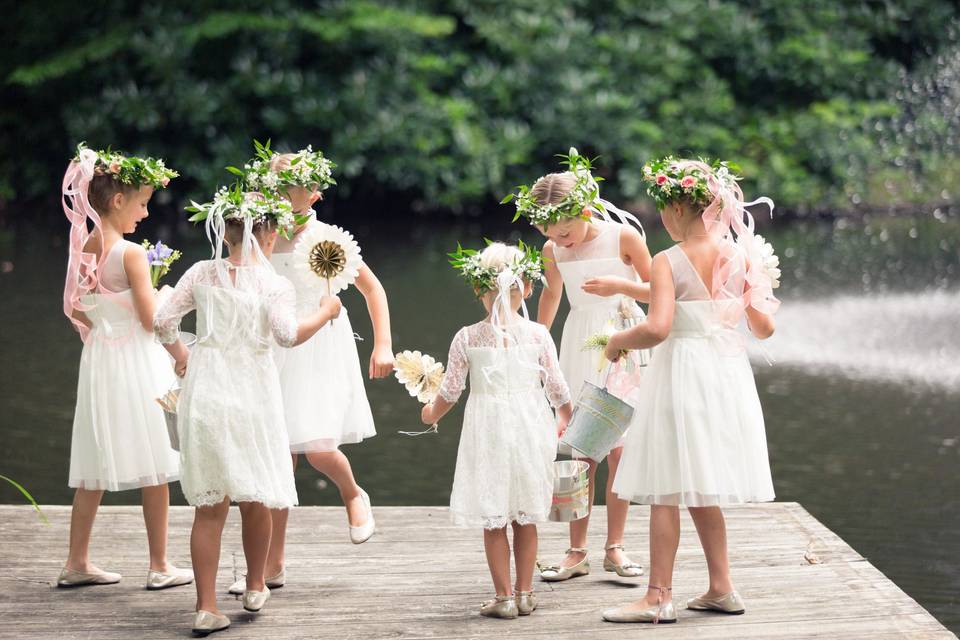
x=449, y=103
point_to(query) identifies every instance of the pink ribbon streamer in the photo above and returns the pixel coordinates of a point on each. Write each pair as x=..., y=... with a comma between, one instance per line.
x=82, y=266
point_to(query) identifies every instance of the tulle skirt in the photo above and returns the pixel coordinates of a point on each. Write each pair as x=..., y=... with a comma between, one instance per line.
x=697, y=438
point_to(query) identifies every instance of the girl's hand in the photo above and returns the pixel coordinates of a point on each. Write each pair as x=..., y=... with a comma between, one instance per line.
x=332, y=305
x=426, y=414
x=381, y=362
x=604, y=286
x=180, y=367
x=611, y=352
x=562, y=422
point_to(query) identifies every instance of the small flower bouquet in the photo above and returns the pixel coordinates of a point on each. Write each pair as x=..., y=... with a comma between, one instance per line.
x=421, y=375
x=769, y=261
x=159, y=257
x=599, y=341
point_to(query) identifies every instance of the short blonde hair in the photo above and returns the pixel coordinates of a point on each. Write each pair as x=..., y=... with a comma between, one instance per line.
x=499, y=256
x=281, y=161
x=553, y=187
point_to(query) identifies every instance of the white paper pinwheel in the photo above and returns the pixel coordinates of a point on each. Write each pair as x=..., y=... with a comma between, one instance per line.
x=419, y=373
x=327, y=258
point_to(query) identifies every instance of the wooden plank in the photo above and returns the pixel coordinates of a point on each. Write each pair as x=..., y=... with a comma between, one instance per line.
x=422, y=577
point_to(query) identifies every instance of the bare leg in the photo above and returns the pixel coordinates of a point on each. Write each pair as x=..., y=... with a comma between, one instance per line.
x=256, y=523
x=712, y=530
x=85, y=504
x=156, y=505
x=578, y=528
x=205, y=552
x=616, y=509
x=497, y=548
x=278, y=537
x=334, y=465
x=664, y=540
x=525, y=554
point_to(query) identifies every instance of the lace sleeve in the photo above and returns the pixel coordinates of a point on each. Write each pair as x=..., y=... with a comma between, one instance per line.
x=166, y=319
x=455, y=377
x=282, y=311
x=558, y=393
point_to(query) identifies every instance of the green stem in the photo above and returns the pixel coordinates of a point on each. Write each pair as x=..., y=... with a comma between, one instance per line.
x=29, y=497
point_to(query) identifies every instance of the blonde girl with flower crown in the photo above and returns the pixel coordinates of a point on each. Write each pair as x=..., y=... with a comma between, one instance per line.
x=119, y=433
x=697, y=438
x=324, y=398
x=233, y=443
x=603, y=264
x=504, y=472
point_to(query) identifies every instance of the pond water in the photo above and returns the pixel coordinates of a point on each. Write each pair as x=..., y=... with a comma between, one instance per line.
x=861, y=404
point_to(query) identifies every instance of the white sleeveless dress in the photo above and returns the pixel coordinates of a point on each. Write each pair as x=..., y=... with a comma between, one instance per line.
x=504, y=469
x=230, y=413
x=697, y=438
x=324, y=398
x=589, y=313
x=119, y=433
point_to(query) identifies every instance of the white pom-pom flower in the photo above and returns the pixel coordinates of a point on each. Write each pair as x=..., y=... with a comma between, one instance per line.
x=420, y=373
x=327, y=258
x=762, y=252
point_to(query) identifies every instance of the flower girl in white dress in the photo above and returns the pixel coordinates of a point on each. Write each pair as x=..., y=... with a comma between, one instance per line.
x=697, y=439
x=233, y=444
x=119, y=434
x=602, y=263
x=504, y=472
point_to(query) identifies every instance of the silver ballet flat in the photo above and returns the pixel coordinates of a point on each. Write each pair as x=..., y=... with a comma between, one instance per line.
x=70, y=578
x=274, y=582
x=500, y=607
x=176, y=578
x=205, y=623
x=253, y=601
x=557, y=573
x=628, y=569
x=526, y=602
x=730, y=603
x=660, y=613
x=359, y=535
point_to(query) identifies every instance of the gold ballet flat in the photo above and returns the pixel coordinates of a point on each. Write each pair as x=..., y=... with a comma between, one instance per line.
x=205, y=623
x=557, y=573
x=70, y=578
x=176, y=578
x=660, y=613
x=500, y=607
x=731, y=604
x=526, y=602
x=628, y=569
x=274, y=582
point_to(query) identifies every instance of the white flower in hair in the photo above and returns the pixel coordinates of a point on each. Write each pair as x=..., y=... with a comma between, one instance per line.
x=327, y=258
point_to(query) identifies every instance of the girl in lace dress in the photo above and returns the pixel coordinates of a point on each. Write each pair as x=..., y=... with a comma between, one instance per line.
x=119, y=434
x=603, y=264
x=233, y=444
x=504, y=472
x=697, y=438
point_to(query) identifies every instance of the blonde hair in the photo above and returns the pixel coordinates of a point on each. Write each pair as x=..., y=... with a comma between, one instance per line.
x=281, y=161
x=553, y=187
x=499, y=256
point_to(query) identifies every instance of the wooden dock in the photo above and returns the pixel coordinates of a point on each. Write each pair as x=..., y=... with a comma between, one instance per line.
x=421, y=577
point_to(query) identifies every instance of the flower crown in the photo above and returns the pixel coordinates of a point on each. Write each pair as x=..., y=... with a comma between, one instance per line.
x=670, y=180
x=584, y=194
x=528, y=267
x=233, y=203
x=131, y=170
x=308, y=168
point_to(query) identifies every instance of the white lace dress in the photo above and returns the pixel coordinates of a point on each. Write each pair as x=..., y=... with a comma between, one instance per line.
x=233, y=442
x=119, y=434
x=697, y=438
x=504, y=469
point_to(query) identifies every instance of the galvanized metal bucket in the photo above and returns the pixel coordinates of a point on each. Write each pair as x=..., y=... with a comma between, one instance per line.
x=571, y=491
x=599, y=421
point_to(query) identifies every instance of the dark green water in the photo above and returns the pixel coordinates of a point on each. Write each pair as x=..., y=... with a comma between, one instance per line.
x=861, y=406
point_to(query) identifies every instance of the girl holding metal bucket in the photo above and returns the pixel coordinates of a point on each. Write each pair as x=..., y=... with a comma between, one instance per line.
x=603, y=262
x=505, y=472
x=700, y=445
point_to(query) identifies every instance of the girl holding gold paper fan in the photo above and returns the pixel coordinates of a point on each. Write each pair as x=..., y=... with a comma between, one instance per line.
x=233, y=443
x=325, y=401
x=603, y=264
x=504, y=472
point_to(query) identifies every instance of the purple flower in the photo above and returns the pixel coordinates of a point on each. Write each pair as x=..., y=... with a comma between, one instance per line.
x=163, y=251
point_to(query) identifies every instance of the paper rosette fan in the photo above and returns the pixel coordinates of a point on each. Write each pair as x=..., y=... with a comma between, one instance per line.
x=419, y=373
x=327, y=258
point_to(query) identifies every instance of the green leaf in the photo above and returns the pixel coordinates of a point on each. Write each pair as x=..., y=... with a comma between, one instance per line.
x=28, y=497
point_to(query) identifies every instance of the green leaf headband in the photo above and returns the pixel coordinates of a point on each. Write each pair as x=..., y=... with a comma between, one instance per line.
x=131, y=170
x=308, y=169
x=584, y=195
x=483, y=279
x=670, y=180
x=233, y=203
